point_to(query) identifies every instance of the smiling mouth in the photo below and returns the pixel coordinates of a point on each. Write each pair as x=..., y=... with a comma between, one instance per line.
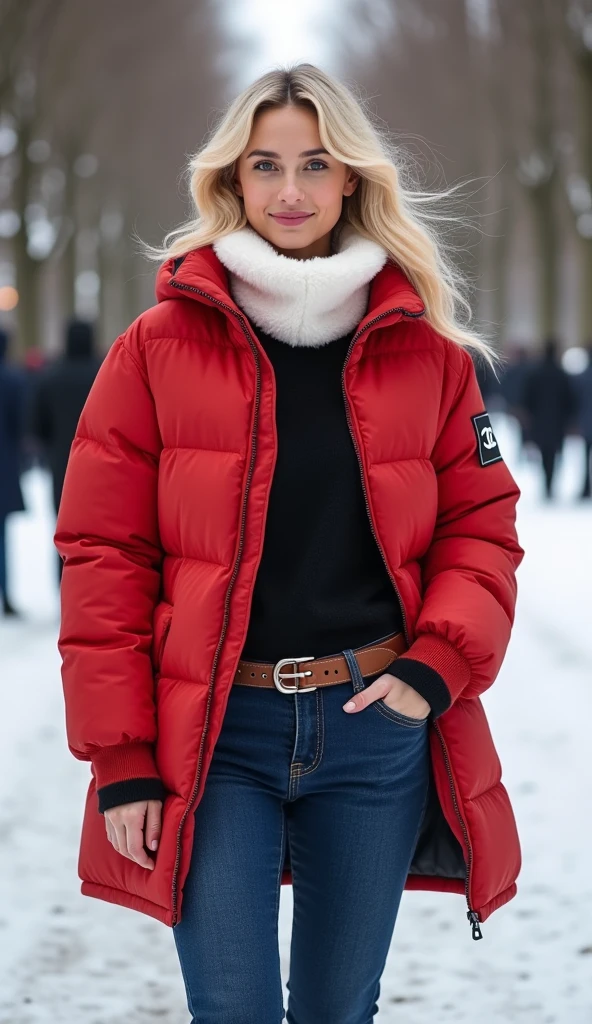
x=294, y=216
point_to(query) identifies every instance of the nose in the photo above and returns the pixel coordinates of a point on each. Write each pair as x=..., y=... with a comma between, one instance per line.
x=290, y=193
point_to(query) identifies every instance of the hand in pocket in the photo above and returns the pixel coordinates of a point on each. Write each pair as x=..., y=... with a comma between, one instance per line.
x=396, y=694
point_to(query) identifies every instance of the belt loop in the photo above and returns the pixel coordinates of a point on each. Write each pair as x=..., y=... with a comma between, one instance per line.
x=354, y=668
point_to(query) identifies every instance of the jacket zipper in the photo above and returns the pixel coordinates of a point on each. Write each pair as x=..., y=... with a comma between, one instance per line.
x=191, y=288
x=472, y=915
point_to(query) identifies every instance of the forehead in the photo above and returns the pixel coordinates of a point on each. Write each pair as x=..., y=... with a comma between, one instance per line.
x=286, y=129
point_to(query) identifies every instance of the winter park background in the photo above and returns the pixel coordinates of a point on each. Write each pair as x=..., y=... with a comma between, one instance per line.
x=68, y=959
x=100, y=104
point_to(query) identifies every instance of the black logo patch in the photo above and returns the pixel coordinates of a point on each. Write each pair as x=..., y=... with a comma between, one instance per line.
x=487, y=445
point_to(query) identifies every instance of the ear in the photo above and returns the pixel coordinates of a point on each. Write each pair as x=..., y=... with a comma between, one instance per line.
x=236, y=181
x=351, y=183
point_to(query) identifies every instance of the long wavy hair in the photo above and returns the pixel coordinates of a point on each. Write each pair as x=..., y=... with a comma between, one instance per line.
x=387, y=204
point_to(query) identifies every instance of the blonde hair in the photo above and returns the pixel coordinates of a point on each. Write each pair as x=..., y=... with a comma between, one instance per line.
x=386, y=205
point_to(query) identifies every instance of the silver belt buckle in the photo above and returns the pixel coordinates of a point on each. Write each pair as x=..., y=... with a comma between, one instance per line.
x=277, y=675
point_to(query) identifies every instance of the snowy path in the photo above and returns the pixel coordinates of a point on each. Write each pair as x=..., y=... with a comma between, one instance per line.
x=69, y=959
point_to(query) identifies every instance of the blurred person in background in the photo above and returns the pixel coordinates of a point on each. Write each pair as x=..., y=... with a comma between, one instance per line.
x=33, y=363
x=550, y=407
x=582, y=385
x=266, y=455
x=57, y=399
x=12, y=396
x=513, y=382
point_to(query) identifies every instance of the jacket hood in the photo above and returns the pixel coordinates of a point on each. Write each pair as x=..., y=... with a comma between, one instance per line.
x=202, y=269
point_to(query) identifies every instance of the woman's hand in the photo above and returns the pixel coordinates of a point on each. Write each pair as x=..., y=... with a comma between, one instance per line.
x=396, y=695
x=125, y=829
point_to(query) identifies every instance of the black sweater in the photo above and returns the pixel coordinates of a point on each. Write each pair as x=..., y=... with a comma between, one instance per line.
x=322, y=584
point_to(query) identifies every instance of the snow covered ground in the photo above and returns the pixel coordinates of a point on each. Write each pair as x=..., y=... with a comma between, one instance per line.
x=69, y=959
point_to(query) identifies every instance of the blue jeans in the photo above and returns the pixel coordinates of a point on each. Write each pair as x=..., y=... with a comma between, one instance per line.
x=348, y=792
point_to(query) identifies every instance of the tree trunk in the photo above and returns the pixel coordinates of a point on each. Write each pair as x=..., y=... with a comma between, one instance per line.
x=27, y=269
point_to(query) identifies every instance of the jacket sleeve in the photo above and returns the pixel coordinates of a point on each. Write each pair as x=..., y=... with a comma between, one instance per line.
x=107, y=536
x=468, y=571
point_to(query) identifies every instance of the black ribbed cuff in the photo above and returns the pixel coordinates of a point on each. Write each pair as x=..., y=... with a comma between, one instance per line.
x=128, y=790
x=425, y=680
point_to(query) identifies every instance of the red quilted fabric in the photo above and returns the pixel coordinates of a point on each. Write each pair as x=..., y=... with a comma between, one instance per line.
x=161, y=527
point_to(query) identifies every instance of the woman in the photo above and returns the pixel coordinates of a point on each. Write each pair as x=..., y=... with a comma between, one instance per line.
x=290, y=552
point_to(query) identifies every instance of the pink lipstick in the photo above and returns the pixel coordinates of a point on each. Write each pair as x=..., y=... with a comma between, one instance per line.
x=291, y=220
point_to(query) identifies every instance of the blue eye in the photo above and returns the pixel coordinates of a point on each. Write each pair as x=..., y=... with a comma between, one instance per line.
x=261, y=162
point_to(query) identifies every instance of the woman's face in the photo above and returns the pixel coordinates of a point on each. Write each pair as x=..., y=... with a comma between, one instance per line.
x=277, y=173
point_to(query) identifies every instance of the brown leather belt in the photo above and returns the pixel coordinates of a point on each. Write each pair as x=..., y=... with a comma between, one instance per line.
x=372, y=659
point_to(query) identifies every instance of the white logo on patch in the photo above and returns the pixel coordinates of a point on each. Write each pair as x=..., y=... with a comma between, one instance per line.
x=489, y=441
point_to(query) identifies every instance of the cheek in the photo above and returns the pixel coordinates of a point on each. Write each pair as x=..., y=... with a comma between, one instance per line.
x=254, y=191
x=327, y=193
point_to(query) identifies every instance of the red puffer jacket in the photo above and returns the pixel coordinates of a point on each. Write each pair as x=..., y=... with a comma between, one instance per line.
x=161, y=529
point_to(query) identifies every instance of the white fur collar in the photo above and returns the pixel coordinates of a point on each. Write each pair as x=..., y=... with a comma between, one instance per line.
x=302, y=302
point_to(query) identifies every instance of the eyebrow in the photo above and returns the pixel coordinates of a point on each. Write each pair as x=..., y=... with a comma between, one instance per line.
x=276, y=156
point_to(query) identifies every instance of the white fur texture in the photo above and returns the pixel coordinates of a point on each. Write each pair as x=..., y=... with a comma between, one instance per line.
x=302, y=302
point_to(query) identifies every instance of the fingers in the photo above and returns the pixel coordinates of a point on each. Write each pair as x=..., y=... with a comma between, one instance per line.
x=153, y=820
x=378, y=688
x=403, y=698
x=134, y=830
x=125, y=830
x=111, y=834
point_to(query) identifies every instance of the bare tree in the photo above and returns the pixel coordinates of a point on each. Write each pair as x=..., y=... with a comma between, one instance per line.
x=104, y=122
x=577, y=25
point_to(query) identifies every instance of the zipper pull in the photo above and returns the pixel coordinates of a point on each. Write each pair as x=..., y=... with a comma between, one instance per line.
x=474, y=922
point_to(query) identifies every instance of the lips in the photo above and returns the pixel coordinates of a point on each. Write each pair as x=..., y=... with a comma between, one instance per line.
x=291, y=219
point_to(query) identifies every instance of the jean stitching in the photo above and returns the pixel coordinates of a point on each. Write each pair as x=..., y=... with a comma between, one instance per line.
x=397, y=716
x=293, y=788
x=320, y=739
x=294, y=775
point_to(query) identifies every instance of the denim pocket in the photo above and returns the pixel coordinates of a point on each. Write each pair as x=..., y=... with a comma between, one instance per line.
x=359, y=683
x=397, y=716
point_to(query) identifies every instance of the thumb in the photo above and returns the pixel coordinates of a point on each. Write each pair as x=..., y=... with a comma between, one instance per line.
x=153, y=821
